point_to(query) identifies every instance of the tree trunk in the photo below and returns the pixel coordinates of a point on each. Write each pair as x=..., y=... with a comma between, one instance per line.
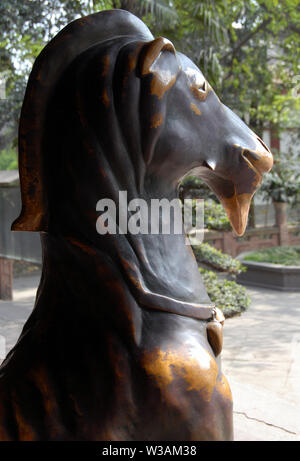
x=280, y=213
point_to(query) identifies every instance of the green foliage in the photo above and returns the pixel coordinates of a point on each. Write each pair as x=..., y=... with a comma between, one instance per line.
x=261, y=60
x=285, y=255
x=214, y=258
x=194, y=187
x=8, y=159
x=228, y=296
x=159, y=12
x=282, y=184
x=215, y=217
x=199, y=32
x=248, y=50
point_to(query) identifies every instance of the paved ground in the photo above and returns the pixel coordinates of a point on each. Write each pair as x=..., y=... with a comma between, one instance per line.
x=261, y=359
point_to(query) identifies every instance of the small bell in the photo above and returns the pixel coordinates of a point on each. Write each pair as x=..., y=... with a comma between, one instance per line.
x=214, y=331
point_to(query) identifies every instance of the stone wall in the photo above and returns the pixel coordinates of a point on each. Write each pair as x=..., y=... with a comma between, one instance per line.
x=253, y=239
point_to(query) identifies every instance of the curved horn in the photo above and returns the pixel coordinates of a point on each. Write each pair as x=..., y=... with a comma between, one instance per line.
x=54, y=59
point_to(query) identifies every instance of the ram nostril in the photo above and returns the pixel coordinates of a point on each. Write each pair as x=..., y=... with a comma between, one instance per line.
x=262, y=161
x=251, y=155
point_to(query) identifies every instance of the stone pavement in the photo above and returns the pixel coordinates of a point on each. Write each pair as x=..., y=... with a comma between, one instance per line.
x=261, y=358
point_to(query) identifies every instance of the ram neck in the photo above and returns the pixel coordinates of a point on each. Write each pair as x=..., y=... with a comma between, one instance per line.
x=143, y=269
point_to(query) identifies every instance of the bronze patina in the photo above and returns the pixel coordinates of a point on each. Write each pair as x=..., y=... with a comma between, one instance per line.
x=123, y=342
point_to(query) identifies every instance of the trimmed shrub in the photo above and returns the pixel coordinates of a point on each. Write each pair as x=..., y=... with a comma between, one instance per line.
x=285, y=255
x=215, y=217
x=206, y=254
x=192, y=186
x=228, y=296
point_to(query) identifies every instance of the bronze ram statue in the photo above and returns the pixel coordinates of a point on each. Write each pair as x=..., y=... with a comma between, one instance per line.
x=123, y=342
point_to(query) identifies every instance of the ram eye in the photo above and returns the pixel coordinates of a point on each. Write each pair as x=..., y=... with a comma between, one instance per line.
x=202, y=87
x=200, y=91
x=197, y=83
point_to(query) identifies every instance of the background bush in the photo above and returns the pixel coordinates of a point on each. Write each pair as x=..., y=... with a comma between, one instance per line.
x=206, y=254
x=287, y=256
x=8, y=159
x=215, y=217
x=228, y=296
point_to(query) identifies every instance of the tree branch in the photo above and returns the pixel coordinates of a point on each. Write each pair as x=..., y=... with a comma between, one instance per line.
x=247, y=37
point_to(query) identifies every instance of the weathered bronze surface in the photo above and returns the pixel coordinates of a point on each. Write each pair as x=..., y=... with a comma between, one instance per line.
x=123, y=342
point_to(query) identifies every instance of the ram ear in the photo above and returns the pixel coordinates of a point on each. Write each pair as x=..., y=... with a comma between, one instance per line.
x=158, y=58
x=151, y=52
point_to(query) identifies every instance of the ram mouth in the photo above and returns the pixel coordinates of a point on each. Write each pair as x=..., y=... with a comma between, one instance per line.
x=234, y=196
